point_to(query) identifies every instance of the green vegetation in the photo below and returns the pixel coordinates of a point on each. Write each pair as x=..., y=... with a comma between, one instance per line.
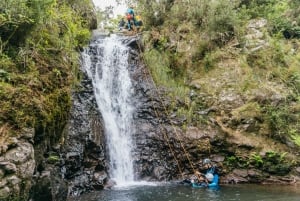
x=271, y=162
x=207, y=42
x=39, y=48
x=39, y=43
x=53, y=158
x=256, y=160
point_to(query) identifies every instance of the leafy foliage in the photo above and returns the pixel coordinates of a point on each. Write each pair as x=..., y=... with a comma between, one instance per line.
x=196, y=38
x=39, y=41
x=271, y=162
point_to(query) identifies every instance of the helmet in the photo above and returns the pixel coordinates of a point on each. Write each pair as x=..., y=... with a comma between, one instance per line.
x=209, y=176
x=206, y=161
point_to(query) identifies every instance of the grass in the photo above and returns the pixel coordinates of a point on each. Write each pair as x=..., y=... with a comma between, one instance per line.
x=159, y=65
x=296, y=139
x=270, y=72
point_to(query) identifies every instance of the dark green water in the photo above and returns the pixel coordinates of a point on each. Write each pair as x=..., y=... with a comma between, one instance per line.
x=186, y=193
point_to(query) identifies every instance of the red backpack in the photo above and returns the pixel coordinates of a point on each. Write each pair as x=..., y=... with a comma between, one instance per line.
x=128, y=16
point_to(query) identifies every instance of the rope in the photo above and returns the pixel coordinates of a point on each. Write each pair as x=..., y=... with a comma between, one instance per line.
x=177, y=136
x=165, y=134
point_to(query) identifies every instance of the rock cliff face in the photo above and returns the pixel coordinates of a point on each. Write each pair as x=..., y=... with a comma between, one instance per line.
x=79, y=162
x=165, y=151
x=168, y=148
x=233, y=131
x=83, y=154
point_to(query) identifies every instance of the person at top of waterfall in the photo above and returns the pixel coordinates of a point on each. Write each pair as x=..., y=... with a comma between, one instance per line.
x=121, y=24
x=130, y=17
x=138, y=22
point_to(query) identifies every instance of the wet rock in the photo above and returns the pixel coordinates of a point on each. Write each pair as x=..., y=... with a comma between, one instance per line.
x=109, y=184
x=49, y=187
x=280, y=180
x=218, y=158
x=298, y=170
x=255, y=176
x=2, y=173
x=98, y=186
x=42, y=190
x=240, y=173
x=8, y=167
x=45, y=174
x=27, y=133
x=3, y=183
x=27, y=169
x=13, y=181
x=234, y=179
x=100, y=177
x=4, y=193
x=3, y=148
x=159, y=173
x=23, y=152
x=16, y=168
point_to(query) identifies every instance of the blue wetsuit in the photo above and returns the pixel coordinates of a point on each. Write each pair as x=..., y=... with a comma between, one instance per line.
x=214, y=183
x=130, y=11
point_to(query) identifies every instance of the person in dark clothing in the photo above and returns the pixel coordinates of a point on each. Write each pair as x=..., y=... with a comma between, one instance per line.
x=121, y=24
x=138, y=21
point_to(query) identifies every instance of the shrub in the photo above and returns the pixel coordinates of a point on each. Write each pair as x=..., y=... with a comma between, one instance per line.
x=37, y=70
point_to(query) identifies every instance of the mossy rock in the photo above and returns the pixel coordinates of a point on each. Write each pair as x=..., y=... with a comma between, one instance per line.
x=247, y=111
x=279, y=169
x=53, y=159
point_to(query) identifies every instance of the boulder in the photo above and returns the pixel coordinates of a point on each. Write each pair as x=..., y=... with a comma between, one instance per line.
x=5, y=193
x=22, y=153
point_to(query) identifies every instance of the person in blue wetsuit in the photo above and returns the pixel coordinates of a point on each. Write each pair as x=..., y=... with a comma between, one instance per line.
x=211, y=175
x=130, y=17
x=211, y=178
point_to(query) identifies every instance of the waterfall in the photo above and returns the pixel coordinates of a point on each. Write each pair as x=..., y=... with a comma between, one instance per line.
x=106, y=63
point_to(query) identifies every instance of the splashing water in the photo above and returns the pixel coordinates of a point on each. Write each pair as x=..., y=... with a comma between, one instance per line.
x=106, y=63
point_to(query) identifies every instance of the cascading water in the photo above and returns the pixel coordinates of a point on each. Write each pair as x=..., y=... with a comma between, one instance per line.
x=106, y=63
